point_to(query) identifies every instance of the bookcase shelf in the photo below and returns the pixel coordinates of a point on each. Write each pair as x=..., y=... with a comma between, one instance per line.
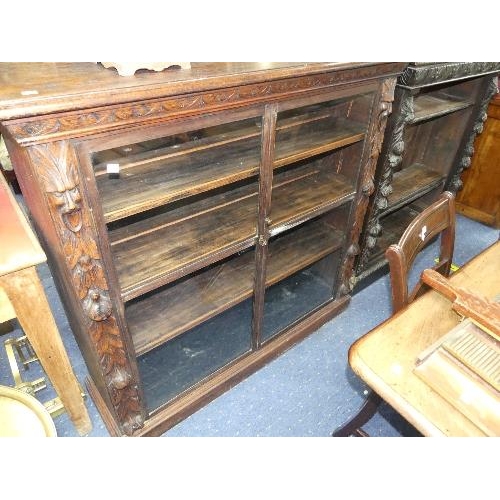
x=147, y=181
x=167, y=249
x=394, y=225
x=410, y=184
x=223, y=285
x=428, y=106
x=438, y=110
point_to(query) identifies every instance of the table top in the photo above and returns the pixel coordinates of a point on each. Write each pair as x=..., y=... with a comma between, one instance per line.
x=28, y=89
x=19, y=247
x=385, y=357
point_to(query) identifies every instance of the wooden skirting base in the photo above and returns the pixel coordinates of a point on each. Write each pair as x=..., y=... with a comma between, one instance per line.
x=103, y=409
x=479, y=215
x=228, y=377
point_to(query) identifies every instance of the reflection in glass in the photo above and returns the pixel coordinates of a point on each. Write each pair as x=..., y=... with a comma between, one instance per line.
x=295, y=296
x=187, y=359
x=301, y=269
x=195, y=325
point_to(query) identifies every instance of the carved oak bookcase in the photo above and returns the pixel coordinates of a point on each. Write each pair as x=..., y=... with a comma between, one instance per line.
x=438, y=110
x=197, y=222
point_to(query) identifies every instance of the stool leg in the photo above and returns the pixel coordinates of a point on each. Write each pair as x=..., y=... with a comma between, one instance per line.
x=353, y=426
x=28, y=298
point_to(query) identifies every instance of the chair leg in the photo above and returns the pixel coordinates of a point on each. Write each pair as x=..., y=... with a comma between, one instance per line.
x=353, y=426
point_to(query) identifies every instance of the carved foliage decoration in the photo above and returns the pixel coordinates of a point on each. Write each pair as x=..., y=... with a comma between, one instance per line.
x=465, y=161
x=56, y=164
x=81, y=122
x=392, y=161
x=439, y=72
x=367, y=184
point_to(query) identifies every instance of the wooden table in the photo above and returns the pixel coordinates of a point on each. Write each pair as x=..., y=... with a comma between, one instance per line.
x=20, y=252
x=385, y=357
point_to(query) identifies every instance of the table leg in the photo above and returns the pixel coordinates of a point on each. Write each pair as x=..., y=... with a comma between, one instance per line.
x=28, y=298
x=353, y=427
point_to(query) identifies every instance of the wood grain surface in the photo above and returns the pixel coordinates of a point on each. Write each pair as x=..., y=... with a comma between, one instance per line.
x=187, y=303
x=385, y=357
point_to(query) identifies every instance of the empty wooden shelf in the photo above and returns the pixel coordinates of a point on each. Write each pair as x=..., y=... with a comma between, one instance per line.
x=439, y=109
x=143, y=185
x=177, y=172
x=203, y=295
x=158, y=254
x=427, y=106
x=394, y=224
x=198, y=222
x=410, y=184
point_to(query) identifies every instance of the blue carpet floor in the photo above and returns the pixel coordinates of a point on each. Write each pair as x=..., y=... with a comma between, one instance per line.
x=307, y=391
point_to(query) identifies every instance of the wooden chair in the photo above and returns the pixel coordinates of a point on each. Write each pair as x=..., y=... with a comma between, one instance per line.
x=438, y=218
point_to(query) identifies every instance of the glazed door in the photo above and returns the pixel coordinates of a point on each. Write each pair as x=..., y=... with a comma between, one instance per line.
x=315, y=169
x=180, y=207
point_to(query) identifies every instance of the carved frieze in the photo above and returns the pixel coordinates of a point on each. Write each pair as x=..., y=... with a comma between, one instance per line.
x=82, y=122
x=429, y=73
x=57, y=167
x=348, y=279
x=465, y=161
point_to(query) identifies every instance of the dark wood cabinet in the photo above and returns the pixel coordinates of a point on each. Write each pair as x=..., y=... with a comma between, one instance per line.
x=198, y=222
x=480, y=197
x=438, y=110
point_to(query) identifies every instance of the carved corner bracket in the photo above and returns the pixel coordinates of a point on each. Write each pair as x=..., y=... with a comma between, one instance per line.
x=492, y=88
x=57, y=166
x=386, y=96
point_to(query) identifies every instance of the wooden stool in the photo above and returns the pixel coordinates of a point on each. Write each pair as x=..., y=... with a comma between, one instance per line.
x=20, y=252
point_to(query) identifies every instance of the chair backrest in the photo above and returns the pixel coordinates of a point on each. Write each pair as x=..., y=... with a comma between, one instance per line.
x=437, y=218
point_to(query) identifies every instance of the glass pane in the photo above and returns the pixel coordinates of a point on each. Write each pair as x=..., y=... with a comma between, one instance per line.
x=317, y=158
x=176, y=204
x=310, y=130
x=184, y=237
x=190, y=328
x=305, y=259
x=141, y=176
x=177, y=365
